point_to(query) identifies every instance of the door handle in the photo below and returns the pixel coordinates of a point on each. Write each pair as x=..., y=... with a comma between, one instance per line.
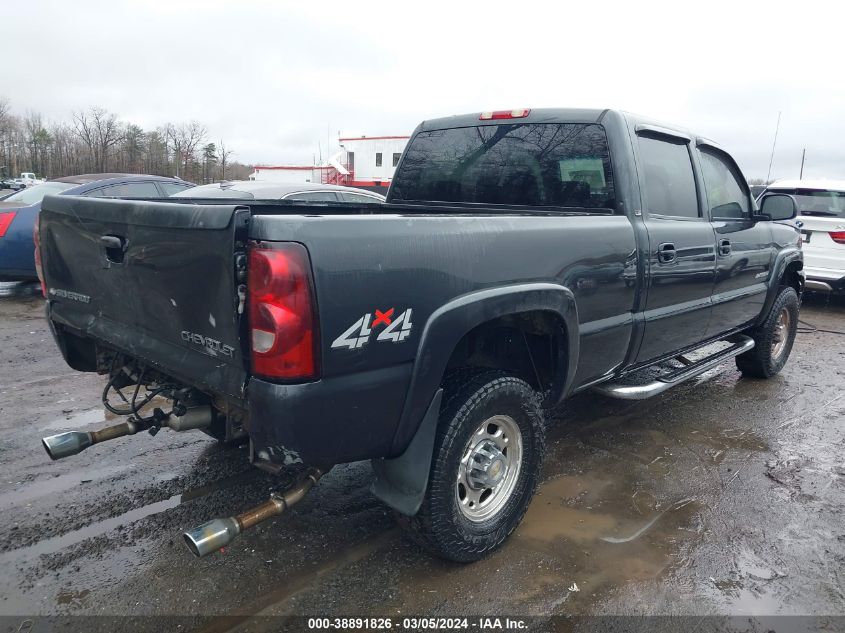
x=666, y=252
x=724, y=247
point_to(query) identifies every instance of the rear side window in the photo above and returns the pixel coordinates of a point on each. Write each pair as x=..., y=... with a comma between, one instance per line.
x=669, y=180
x=726, y=197
x=313, y=196
x=529, y=164
x=170, y=188
x=128, y=190
x=357, y=197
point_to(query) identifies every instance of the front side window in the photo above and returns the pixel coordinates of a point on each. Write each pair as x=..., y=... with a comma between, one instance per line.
x=527, y=164
x=669, y=180
x=726, y=197
x=378, y=159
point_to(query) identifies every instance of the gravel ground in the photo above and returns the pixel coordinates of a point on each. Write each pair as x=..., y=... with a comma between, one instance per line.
x=723, y=496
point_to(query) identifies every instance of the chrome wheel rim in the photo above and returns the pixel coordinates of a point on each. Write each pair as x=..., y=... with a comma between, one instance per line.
x=489, y=468
x=781, y=335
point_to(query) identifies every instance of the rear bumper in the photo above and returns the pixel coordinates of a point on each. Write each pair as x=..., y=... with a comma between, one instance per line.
x=833, y=277
x=332, y=421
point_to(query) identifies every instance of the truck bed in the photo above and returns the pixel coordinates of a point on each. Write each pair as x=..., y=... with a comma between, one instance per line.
x=175, y=300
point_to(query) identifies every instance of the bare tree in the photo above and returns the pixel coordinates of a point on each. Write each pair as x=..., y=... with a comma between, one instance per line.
x=223, y=155
x=95, y=140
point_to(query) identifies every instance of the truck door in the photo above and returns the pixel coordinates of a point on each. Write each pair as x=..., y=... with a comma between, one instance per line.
x=743, y=247
x=681, y=260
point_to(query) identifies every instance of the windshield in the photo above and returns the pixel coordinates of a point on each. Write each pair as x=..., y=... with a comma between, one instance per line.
x=565, y=165
x=817, y=202
x=33, y=195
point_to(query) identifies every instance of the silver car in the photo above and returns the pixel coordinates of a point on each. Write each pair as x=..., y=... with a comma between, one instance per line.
x=263, y=190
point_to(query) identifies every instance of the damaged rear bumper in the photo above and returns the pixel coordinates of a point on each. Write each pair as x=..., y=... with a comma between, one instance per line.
x=335, y=420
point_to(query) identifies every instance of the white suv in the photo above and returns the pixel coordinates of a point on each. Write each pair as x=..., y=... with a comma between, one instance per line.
x=821, y=205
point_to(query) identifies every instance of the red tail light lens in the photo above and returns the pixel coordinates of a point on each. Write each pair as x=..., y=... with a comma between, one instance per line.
x=838, y=236
x=39, y=270
x=282, y=314
x=6, y=221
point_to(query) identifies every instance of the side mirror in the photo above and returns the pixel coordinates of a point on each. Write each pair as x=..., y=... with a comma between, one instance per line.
x=778, y=206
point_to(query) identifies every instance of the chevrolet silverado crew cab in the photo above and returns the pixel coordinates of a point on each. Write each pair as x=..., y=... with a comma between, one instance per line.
x=520, y=257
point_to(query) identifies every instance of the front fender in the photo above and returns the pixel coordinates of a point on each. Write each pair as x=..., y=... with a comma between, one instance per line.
x=783, y=259
x=448, y=325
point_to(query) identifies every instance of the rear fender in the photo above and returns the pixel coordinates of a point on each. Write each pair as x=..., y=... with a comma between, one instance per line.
x=401, y=481
x=448, y=325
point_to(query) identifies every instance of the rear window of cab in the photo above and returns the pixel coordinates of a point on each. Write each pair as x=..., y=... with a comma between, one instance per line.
x=526, y=164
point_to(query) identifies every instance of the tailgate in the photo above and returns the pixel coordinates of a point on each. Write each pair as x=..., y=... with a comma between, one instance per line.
x=154, y=279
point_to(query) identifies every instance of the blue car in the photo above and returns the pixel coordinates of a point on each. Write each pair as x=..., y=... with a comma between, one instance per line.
x=19, y=211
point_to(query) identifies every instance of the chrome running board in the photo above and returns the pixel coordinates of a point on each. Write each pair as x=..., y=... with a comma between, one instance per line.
x=739, y=345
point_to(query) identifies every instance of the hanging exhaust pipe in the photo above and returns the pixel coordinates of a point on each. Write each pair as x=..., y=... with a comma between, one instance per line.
x=211, y=536
x=74, y=442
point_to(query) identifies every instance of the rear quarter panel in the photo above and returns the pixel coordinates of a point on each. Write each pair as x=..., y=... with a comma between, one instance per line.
x=366, y=263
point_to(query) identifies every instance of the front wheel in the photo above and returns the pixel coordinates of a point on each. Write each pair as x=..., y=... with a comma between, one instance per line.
x=488, y=453
x=773, y=339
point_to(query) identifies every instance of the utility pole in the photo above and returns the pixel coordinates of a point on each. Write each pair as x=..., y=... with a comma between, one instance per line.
x=803, y=154
x=768, y=175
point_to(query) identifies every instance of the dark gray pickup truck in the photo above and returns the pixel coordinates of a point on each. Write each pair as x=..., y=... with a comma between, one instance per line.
x=522, y=256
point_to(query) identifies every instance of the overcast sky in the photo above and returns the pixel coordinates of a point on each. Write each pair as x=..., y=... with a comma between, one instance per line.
x=275, y=78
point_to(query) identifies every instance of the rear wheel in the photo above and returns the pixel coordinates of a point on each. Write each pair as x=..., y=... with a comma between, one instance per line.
x=488, y=454
x=773, y=338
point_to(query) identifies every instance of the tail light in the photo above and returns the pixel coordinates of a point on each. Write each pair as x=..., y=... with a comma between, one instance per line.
x=6, y=221
x=504, y=114
x=282, y=313
x=838, y=236
x=39, y=270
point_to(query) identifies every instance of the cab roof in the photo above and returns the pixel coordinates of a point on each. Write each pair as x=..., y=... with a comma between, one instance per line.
x=567, y=115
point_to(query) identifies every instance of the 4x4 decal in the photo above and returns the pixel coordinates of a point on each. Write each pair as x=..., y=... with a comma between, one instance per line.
x=358, y=334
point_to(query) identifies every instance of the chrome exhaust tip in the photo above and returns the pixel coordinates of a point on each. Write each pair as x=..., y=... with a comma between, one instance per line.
x=66, y=444
x=73, y=442
x=210, y=537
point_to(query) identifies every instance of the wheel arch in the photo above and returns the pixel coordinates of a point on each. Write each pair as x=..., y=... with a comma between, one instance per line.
x=452, y=322
x=788, y=270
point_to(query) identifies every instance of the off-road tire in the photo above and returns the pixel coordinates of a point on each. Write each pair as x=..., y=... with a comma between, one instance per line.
x=470, y=398
x=761, y=362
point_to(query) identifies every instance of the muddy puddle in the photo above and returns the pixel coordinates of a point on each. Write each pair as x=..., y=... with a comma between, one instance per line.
x=99, y=528
x=62, y=483
x=604, y=533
